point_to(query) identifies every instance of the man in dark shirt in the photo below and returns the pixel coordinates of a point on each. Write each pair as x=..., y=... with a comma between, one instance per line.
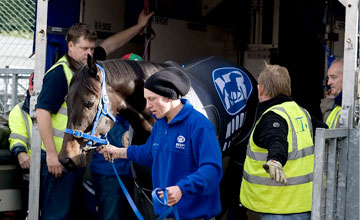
x=57, y=186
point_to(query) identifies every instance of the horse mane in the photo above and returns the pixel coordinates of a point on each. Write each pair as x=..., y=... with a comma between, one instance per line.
x=117, y=72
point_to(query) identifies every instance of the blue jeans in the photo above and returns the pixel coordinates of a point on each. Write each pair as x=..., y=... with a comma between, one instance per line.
x=297, y=216
x=110, y=199
x=56, y=194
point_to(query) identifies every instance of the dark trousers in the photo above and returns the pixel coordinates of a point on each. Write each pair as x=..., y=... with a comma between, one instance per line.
x=110, y=198
x=58, y=196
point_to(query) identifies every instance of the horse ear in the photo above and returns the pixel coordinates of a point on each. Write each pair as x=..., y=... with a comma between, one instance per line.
x=92, y=66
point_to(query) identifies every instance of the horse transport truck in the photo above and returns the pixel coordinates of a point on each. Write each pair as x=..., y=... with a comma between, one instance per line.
x=304, y=36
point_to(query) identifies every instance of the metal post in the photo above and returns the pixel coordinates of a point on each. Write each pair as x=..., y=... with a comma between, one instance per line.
x=352, y=210
x=342, y=161
x=318, y=174
x=350, y=63
x=324, y=179
x=331, y=179
x=6, y=93
x=40, y=50
x=14, y=79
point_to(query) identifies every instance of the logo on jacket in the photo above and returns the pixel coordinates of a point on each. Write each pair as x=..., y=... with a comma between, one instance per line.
x=180, y=142
x=233, y=87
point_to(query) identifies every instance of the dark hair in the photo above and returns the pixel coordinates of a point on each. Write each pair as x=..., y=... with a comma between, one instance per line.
x=78, y=30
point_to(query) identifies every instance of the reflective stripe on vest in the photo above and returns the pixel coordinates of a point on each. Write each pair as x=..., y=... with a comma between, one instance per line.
x=267, y=181
x=333, y=118
x=261, y=194
x=16, y=136
x=59, y=120
x=295, y=153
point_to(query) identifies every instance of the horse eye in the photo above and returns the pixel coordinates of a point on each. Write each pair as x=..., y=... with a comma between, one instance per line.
x=89, y=104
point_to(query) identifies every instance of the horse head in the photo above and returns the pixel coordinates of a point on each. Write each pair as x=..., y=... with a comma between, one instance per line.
x=93, y=100
x=82, y=100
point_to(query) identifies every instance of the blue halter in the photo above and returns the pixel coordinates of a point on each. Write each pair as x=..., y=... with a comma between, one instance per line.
x=102, y=110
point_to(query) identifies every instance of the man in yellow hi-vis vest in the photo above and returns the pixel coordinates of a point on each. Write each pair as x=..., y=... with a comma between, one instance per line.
x=335, y=82
x=278, y=169
x=57, y=186
x=20, y=125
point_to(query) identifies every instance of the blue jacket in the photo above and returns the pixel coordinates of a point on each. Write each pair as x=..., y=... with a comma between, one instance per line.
x=185, y=153
x=99, y=165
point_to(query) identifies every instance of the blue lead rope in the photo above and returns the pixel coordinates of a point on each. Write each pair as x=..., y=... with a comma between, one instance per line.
x=156, y=200
x=128, y=197
x=164, y=202
x=104, y=111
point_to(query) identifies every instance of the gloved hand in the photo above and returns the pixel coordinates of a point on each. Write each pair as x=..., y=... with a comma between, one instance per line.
x=275, y=169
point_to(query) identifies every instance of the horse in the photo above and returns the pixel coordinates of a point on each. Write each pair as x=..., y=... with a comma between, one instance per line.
x=220, y=89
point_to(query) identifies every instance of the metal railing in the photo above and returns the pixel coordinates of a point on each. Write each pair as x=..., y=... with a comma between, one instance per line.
x=17, y=20
x=336, y=174
x=13, y=86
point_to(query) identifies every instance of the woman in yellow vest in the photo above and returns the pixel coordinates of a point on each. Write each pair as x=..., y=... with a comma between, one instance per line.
x=281, y=144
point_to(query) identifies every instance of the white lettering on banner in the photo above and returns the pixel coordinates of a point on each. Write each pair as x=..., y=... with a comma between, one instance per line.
x=224, y=148
x=234, y=125
x=242, y=120
x=228, y=130
x=237, y=122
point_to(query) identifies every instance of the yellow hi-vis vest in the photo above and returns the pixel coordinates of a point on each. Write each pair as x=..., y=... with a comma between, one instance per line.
x=261, y=194
x=20, y=125
x=59, y=120
x=333, y=118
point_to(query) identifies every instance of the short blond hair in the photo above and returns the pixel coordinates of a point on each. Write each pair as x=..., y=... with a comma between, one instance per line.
x=275, y=80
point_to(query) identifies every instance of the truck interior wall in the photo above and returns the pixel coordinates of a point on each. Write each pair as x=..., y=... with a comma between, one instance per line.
x=233, y=14
x=299, y=49
x=301, y=52
x=61, y=14
x=301, y=24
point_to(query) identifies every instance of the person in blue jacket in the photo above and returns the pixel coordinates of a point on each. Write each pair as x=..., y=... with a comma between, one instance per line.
x=107, y=194
x=110, y=199
x=182, y=149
